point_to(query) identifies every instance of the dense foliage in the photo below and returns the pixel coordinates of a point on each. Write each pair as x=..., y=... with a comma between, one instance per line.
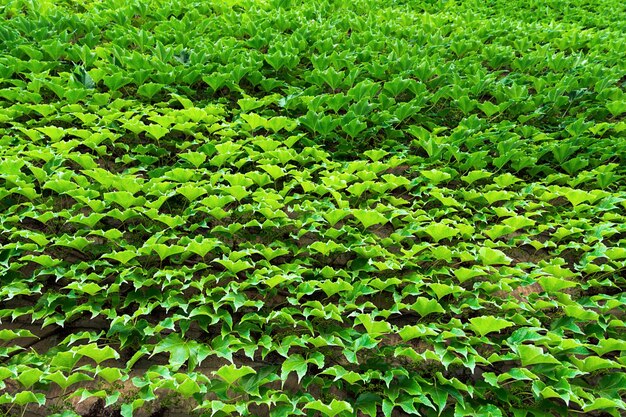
x=313, y=207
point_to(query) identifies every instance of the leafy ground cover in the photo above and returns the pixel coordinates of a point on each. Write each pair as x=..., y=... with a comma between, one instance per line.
x=312, y=208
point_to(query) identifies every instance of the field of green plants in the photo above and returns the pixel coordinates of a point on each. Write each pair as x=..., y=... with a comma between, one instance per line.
x=318, y=208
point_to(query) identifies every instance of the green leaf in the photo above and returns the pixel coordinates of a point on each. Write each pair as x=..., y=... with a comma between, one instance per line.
x=436, y=176
x=439, y=231
x=489, y=108
x=489, y=256
x=29, y=377
x=442, y=252
x=497, y=195
x=474, y=176
x=98, y=354
x=110, y=374
x=609, y=345
x=518, y=222
x=127, y=410
x=594, y=363
x=274, y=170
x=280, y=122
x=335, y=215
x=64, y=360
x=294, y=363
x=191, y=192
x=367, y=403
x=487, y=324
x=112, y=399
x=195, y=158
x=440, y=397
x=464, y=274
x=335, y=407
x=375, y=154
x=217, y=406
x=12, y=166
x=234, y=267
x=354, y=127
x=413, y=332
x=149, y=90
x=554, y=284
x=182, y=351
x=124, y=199
x=498, y=230
x=441, y=290
x=201, y=246
x=339, y=372
x=79, y=243
x=615, y=253
x=249, y=103
x=327, y=247
x=533, y=355
x=369, y=217
x=332, y=287
x=425, y=306
x=122, y=257
x=165, y=251
x=26, y=397
x=387, y=407
x=602, y=403
x=238, y=191
x=64, y=382
x=580, y=313
x=116, y=80
x=156, y=131
x=90, y=288
x=254, y=120
x=577, y=197
x=60, y=186
x=374, y=328
x=54, y=133
x=85, y=393
x=181, y=175
x=616, y=108
x=231, y=374
x=8, y=335
x=188, y=387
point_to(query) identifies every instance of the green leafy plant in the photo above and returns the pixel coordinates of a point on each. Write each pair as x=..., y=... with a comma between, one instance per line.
x=312, y=208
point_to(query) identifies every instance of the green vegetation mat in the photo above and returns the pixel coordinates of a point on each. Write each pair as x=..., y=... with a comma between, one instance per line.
x=320, y=208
